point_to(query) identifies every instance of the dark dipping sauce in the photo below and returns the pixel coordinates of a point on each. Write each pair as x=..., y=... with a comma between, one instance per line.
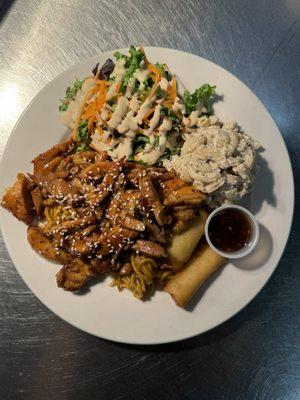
x=230, y=230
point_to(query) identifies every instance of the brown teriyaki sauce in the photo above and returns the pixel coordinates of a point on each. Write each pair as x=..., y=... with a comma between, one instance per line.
x=230, y=230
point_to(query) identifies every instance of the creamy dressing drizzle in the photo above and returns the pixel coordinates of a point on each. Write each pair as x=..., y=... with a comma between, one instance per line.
x=118, y=75
x=129, y=114
x=119, y=113
x=75, y=107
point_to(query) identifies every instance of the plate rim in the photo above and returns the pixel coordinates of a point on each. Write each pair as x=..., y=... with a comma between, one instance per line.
x=291, y=208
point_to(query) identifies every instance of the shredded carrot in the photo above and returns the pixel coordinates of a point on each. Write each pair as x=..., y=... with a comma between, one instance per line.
x=148, y=113
x=92, y=109
x=167, y=104
x=90, y=123
x=73, y=135
x=118, y=87
x=152, y=68
x=172, y=90
x=154, y=87
x=85, y=99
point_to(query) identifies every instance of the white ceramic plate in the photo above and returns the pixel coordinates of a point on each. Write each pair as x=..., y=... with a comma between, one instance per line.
x=104, y=312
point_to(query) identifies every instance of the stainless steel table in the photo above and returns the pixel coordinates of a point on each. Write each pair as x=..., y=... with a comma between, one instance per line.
x=255, y=355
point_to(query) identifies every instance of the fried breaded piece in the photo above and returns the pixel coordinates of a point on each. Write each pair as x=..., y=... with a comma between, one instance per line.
x=75, y=275
x=45, y=247
x=17, y=200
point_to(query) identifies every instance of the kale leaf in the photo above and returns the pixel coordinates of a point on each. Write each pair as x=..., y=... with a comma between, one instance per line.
x=148, y=82
x=82, y=147
x=201, y=95
x=156, y=142
x=175, y=119
x=118, y=56
x=70, y=95
x=161, y=68
x=82, y=131
x=139, y=143
x=132, y=63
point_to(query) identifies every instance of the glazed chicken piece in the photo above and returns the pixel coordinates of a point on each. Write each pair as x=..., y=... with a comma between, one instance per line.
x=114, y=240
x=83, y=187
x=150, y=195
x=129, y=202
x=183, y=219
x=60, y=189
x=177, y=192
x=17, y=200
x=133, y=176
x=83, y=246
x=95, y=171
x=88, y=156
x=127, y=221
x=106, y=187
x=172, y=185
x=45, y=247
x=113, y=209
x=66, y=240
x=157, y=233
x=44, y=158
x=45, y=176
x=101, y=266
x=159, y=174
x=75, y=275
x=114, y=205
x=73, y=225
x=150, y=249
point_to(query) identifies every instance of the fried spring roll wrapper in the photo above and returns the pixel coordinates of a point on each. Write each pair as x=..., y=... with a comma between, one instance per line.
x=184, y=243
x=199, y=268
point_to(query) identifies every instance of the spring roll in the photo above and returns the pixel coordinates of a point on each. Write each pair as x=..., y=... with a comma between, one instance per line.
x=198, y=269
x=184, y=243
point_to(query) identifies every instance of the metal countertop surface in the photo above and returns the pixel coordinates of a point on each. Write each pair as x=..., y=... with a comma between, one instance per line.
x=256, y=354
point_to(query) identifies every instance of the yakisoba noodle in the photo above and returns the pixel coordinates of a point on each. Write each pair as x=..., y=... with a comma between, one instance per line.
x=57, y=214
x=145, y=273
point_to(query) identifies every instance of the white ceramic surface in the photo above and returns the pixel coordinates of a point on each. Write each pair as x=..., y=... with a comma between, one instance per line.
x=103, y=311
